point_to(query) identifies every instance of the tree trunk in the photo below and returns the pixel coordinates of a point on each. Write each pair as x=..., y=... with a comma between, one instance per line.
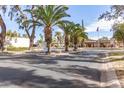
x=31, y=43
x=32, y=37
x=75, y=47
x=123, y=43
x=48, y=47
x=75, y=44
x=3, y=33
x=66, y=43
x=48, y=38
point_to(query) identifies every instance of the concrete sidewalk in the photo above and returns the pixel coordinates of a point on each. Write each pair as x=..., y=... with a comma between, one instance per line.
x=109, y=78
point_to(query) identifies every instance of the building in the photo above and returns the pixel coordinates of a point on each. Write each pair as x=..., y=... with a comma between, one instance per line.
x=18, y=42
x=100, y=43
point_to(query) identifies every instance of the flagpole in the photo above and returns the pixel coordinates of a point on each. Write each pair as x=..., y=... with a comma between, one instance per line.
x=113, y=36
x=98, y=40
x=98, y=36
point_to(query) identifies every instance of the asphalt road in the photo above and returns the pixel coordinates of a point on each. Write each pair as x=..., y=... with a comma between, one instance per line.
x=37, y=70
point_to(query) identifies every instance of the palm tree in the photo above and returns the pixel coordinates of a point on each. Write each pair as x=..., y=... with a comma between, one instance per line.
x=77, y=35
x=58, y=35
x=66, y=26
x=40, y=39
x=49, y=16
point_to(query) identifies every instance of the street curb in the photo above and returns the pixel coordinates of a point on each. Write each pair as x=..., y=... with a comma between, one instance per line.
x=108, y=77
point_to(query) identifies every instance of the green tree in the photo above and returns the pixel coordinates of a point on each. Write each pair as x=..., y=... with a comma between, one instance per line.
x=66, y=26
x=49, y=16
x=12, y=10
x=77, y=35
x=41, y=39
x=58, y=35
x=119, y=32
x=115, y=12
x=27, y=21
x=11, y=34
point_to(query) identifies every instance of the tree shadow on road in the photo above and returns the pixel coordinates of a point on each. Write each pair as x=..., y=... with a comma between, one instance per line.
x=31, y=59
x=79, y=71
x=43, y=59
x=23, y=78
x=77, y=58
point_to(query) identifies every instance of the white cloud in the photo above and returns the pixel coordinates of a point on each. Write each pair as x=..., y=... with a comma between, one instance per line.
x=95, y=37
x=102, y=24
x=59, y=30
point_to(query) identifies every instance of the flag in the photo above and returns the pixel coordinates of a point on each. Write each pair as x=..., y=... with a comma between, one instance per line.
x=110, y=30
x=97, y=29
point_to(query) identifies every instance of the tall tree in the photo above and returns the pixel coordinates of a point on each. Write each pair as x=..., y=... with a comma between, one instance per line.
x=3, y=28
x=77, y=35
x=12, y=10
x=58, y=35
x=40, y=39
x=49, y=16
x=66, y=26
x=3, y=33
x=115, y=12
x=28, y=22
x=119, y=32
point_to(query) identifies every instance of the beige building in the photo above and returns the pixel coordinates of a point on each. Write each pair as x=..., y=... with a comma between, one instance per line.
x=101, y=43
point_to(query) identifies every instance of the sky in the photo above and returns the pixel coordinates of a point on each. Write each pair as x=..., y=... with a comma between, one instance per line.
x=88, y=13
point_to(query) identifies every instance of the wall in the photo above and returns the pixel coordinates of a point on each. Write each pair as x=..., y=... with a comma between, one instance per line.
x=19, y=42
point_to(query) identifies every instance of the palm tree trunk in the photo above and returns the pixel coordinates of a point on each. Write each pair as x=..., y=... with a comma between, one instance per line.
x=48, y=47
x=75, y=44
x=66, y=43
x=123, y=43
x=48, y=38
x=3, y=33
x=75, y=47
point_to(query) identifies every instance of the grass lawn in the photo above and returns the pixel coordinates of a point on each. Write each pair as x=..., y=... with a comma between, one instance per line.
x=17, y=49
x=117, y=54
